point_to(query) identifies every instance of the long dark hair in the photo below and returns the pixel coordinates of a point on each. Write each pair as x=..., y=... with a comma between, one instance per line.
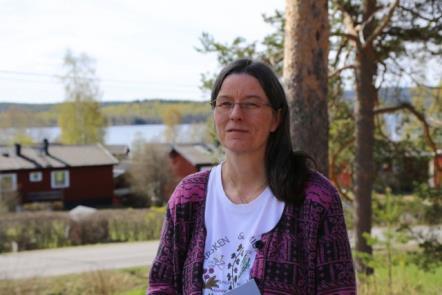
x=287, y=171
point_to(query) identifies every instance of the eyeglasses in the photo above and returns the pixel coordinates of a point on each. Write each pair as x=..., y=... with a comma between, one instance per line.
x=227, y=106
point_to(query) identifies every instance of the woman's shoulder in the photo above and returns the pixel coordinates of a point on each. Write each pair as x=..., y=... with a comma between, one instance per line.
x=320, y=190
x=191, y=188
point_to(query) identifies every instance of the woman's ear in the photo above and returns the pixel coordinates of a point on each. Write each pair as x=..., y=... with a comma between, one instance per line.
x=276, y=120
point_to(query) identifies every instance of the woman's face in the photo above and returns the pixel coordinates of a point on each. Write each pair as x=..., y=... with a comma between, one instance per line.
x=243, y=116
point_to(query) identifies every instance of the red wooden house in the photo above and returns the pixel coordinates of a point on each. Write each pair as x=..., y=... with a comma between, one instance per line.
x=435, y=167
x=190, y=158
x=73, y=174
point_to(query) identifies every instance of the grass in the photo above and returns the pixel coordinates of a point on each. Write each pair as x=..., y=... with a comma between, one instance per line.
x=129, y=281
x=407, y=279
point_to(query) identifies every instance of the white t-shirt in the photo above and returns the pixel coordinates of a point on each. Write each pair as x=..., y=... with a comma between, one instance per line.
x=232, y=230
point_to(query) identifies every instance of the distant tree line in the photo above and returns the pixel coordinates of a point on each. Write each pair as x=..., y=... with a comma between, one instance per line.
x=17, y=115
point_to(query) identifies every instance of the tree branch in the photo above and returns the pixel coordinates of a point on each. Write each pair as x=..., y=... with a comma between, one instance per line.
x=417, y=114
x=349, y=24
x=338, y=71
x=384, y=23
x=411, y=76
x=417, y=14
x=342, y=45
x=346, y=35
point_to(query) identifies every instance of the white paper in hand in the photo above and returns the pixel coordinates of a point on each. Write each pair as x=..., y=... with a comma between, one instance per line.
x=249, y=288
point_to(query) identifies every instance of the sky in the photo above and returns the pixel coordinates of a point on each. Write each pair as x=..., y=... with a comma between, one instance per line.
x=143, y=49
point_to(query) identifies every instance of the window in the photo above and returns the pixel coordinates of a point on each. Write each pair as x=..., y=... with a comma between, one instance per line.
x=60, y=179
x=8, y=182
x=35, y=176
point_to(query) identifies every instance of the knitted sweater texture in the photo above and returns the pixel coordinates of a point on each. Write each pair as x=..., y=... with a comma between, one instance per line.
x=308, y=251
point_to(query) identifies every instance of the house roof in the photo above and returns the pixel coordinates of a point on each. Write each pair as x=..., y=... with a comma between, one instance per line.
x=58, y=156
x=117, y=149
x=196, y=154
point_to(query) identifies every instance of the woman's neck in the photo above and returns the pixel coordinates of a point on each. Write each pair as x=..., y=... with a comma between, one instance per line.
x=243, y=178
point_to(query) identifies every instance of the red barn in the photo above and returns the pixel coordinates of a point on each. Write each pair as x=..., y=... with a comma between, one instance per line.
x=73, y=174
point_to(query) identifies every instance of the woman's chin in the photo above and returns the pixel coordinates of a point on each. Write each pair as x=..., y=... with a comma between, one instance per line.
x=240, y=147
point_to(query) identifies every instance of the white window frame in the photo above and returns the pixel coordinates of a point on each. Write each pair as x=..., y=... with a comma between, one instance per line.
x=66, y=179
x=35, y=176
x=14, y=182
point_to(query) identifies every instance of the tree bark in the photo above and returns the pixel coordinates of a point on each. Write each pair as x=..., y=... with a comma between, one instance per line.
x=366, y=97
x=305, y=76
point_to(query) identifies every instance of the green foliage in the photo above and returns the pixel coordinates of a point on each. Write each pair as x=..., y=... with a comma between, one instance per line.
x=429, y=255
x=408, y=279
x=81, y=122
x=269, y=50
x=429, y=102
x=8, y=201
x=27, y=231
x=389, y=47
x=151, y=111
x=171, y=118
x=80, y=118
x=398, y=165
x=431, y=199
x=14, y=121
x=392, y=236
x=429, y=258
x=115, y=113
x=39, y=230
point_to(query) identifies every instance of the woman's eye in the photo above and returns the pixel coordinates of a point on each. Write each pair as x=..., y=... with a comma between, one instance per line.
x=226, y=104
x=250, y=105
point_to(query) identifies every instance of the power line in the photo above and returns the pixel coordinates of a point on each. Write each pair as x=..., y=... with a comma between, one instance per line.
x=107, y=81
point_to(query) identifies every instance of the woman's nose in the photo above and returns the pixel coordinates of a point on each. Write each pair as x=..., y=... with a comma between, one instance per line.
x=236, y=112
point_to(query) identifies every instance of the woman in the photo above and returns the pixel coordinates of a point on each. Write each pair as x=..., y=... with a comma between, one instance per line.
x=262, y=217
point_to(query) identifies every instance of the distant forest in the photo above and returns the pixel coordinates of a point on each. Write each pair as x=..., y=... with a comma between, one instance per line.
x=117, y=113
x=152, y=111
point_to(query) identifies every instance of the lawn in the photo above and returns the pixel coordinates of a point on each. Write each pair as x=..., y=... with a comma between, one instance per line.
x=406, y=280
x=129, y=281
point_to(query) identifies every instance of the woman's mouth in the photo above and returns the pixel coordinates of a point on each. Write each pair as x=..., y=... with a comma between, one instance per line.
x=231, y=130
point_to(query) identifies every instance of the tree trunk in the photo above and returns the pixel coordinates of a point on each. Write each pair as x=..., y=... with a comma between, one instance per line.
x=305, y=76
x=366, y=97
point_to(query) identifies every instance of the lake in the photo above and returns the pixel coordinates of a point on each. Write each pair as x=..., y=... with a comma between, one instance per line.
x=126, y=134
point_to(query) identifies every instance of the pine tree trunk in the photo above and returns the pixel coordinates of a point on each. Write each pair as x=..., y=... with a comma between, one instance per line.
x=305, y=76
x=366, y=97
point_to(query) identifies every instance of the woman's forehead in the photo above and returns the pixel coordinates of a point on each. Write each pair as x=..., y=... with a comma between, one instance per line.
x=243, y=85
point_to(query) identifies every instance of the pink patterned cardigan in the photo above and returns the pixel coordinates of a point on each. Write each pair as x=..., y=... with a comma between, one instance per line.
x=308, y=251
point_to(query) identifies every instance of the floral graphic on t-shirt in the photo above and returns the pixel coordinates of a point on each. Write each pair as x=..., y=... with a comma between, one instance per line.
x=240, y=261
x=222, y=273
x=209, y=278
x=218, y=262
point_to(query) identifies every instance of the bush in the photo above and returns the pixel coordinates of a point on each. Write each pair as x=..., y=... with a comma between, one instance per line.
x=27, y=231
x=8, y=201
x=39, y=230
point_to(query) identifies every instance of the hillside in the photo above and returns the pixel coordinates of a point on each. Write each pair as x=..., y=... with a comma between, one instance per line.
x=117, y=113
x=147, y=111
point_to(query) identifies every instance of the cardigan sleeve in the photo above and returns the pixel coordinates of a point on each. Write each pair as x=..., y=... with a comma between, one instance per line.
x=334, y=265
x=163, y=278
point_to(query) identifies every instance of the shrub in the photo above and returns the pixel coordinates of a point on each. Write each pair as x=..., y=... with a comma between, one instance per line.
x=39, y=230
x=36, y=230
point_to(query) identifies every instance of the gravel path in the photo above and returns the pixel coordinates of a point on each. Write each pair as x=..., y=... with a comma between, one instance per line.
x=61, y=261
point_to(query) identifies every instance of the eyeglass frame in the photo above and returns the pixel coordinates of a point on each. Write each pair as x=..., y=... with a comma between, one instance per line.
x=228, y=106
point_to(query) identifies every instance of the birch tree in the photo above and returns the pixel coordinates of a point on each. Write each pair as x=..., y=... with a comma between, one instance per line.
x=80, y=118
